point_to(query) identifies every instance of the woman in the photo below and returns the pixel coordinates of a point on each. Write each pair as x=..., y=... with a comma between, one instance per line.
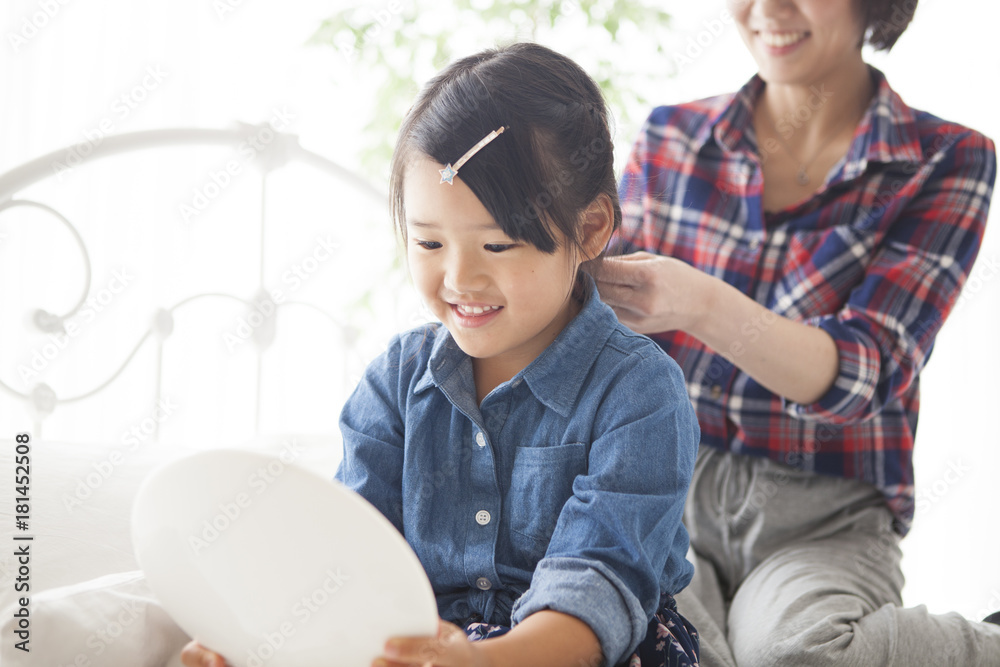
x=796, y=247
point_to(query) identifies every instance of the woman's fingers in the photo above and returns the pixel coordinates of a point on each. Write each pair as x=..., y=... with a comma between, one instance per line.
x=633, y=305
x=615, y=294
x=196, y=655
x=625, y=270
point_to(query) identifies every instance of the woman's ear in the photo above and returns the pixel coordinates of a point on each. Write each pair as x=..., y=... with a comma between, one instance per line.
x=597, y=221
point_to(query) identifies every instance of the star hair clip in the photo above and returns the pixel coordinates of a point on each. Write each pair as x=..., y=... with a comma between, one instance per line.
x=449, y=172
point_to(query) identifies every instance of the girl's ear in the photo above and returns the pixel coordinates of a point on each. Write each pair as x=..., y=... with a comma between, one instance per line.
x=596, y=225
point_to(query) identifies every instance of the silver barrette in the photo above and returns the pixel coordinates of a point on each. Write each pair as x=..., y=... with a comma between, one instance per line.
x=449, y=172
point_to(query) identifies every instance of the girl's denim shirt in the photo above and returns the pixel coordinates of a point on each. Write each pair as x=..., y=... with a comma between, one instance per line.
x=564, y=490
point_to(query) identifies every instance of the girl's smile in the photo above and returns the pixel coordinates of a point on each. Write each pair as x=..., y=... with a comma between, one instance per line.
x=471, y=315
x=504, y=301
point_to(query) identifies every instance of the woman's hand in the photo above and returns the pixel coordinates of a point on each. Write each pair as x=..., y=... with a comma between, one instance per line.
x=651, y=293
x=196, y=655
x=450, y=648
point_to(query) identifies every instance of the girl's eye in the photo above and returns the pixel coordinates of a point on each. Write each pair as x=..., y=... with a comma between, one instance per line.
x=498, y=247
x=429, y=245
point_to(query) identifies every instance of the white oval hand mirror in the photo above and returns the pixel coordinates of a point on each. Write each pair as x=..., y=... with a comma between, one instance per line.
x=270, y=564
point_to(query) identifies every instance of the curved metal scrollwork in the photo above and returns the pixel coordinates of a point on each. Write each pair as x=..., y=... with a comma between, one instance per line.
x=283, y=148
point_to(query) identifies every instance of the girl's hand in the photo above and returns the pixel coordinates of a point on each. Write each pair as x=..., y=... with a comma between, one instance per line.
x=451, y=648
x=196, y=655
x=651, y=293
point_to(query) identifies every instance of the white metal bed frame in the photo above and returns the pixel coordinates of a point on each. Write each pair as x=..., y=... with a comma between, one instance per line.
x=42, y=400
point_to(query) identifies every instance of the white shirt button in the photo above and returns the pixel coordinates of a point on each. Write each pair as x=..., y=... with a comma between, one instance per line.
x=482, y=517
x=484, y=584
x=480, y=440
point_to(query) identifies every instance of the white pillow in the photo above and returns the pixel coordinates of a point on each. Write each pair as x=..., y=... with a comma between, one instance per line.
x=81, y=501
x=112, y=621
x=80, y=509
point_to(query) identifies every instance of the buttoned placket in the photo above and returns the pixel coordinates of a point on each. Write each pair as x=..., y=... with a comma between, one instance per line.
x=484, y=513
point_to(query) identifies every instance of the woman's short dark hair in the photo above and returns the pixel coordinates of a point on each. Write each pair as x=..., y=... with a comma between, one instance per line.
x=885, y=21
x=552, y=160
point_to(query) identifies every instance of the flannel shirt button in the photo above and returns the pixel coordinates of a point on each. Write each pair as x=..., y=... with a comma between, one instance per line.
x=716, y=392
x=754, y=243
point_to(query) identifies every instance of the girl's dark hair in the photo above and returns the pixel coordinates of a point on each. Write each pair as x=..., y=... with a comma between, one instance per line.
x=885, y=21
x=552, y=160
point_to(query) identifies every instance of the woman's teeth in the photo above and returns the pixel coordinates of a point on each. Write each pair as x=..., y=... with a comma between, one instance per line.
x=475, y=310
x=779, y=39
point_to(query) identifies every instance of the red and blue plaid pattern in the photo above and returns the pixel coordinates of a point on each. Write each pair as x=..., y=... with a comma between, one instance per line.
x=876, y=257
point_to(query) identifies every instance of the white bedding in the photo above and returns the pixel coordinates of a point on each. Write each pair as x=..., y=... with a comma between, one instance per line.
x=90, y=605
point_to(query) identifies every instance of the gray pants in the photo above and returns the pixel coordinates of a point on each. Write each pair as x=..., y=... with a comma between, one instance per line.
x=798, y=569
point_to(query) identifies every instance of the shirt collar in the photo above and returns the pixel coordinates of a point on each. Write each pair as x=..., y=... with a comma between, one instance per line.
x=729, y=125
x=887, y=132
x=555, y=377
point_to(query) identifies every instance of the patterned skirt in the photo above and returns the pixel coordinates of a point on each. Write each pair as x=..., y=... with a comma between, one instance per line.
x=671, y=641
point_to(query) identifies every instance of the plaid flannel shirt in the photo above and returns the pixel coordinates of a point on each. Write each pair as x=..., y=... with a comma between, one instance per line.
x=876, y=257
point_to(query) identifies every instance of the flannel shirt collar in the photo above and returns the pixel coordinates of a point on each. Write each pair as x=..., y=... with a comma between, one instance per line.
x=887, y=132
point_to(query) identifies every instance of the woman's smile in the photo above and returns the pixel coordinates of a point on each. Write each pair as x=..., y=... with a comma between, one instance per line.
x=782, y=42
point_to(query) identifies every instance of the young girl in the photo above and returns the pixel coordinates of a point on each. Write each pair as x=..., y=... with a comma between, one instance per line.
x=534, y=452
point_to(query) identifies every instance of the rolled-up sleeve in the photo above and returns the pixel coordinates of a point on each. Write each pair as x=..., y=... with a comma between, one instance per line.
x=610, y=549
x=885, y=331
x=590, y=591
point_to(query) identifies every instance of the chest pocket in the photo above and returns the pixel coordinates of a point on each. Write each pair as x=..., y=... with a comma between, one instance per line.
x=541, y=483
